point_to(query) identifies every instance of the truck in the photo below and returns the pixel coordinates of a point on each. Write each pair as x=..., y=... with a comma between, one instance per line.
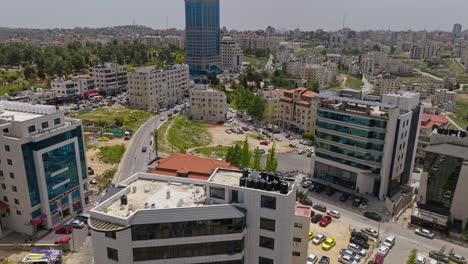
x=127, y=135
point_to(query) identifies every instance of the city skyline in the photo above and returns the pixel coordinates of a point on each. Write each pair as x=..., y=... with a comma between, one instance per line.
x=397, y=15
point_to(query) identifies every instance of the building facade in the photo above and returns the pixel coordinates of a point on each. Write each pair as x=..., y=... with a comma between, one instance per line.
x=365, y=146
x=151, y=89
x=207, y=105
x=446, y=99
x=43, y=173
x=78, y=86
x=231, y=55
x=110, y=78
x=202, y=36
x=389, y=84
x=297, y=110
x=301, y=233
x=429, y=122
x=164, y=219
x=324, y=74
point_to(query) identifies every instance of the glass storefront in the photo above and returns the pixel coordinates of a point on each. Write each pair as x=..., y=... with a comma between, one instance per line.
x=343, y=178
x=351, y=153
x=350, y=142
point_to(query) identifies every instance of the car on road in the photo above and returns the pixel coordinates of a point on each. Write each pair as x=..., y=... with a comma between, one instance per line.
x=76, y=224
x=144, y=149
x=328, y=243
x=64, y=229
x=383, y=250
x=420, y=259
x=390, y=241
x=459, y=259
x=346, y=259
x=373, y=215
x=334, y=213
x=306, y=201
x=371, y=232
x=318, y=239
x=357, y=201
x=357, y=249
x=324, y=260
x=326, y=220
x=312, y=258
x=424, y=233
x=316, y=218
x=439, y=256
x=348, y=252
x=311, y=235
x=320, y=208
x=344, y=197
x=306, y=184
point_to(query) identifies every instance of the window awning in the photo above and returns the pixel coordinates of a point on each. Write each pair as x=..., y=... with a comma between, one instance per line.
x=38, y=221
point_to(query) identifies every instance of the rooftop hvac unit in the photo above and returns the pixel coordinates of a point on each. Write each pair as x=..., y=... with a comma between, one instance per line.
x=168, y=195
x=180, y=203
x=184, y=186
x=122, y=207
x=134, y=189
x=191, y=186
x=130, y=207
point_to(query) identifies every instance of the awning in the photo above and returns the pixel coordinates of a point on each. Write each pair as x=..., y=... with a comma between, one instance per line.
x=3, y=207
x=38, y=221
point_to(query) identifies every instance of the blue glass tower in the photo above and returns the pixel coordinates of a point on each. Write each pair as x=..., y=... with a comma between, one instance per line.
x=202, y=36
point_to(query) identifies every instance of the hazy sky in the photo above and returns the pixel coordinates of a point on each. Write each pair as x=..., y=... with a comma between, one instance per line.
x=240, y=14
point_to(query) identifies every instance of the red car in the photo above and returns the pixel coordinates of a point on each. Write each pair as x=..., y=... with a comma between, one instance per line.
x=63, y=230
x=63, y=240
x=325, y=221
x=264, y=143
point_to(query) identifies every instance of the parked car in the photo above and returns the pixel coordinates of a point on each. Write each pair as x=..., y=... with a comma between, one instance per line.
x=328, y=244
x=383, y=250
x=390, y=241
x=62, y=240
x=278, y=139
x=307, y=201
x=76, y=224
x=259, y=150
x=292, y=145
x=64, y=229
x=320, y=208
x=439, y=256
x=316, y=218
x=324, y=260
x=228, y=131
x=357, y=249
x=344, y=197
x=245, y=128
x=334, y=213
x=311, y=187
x=359, y=242
x=306, y=184
x=311, y=235
x=348, y=252
x=357, y=201
x=162, y=118
x=371, y=232
x=459, y=259
x=83, y=217
x=420, y=259
x=373, y=215
x=301, y=151
x=378, y=259
x=264, y=143
x=346, y=259
x=318, y=239
x=312, y=258
x=360, y=235
x=424, y=232
x=326, y=220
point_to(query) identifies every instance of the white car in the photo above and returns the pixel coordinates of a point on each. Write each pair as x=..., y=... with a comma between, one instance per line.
x=334, y=213
x=383, y=250
x=350, y=253
x=424, y=232
x=371, y=232
x=162, y=118
x=346, y=259
x=420, y=259
x=278, y=139
x=318, y=239
x=433, y=261
x=357, y=249
x=312, y=258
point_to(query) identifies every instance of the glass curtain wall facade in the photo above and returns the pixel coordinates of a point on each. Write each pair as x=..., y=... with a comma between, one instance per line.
x=202, y=36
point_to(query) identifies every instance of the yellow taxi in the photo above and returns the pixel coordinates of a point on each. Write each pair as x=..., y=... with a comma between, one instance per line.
x=328, y=244
x=311, y=235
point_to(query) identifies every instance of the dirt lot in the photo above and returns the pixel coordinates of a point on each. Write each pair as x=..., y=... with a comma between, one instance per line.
x=220, y=137
x=92, y=159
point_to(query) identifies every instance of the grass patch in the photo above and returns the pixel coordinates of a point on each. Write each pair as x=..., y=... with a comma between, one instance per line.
x=353, y=83
x=107, y=118
x=184, y=134
x=211, y=152
x=258, y=62
x=163, y=144
x=111, y=154
x=461, y=115
x=417, y=79
x=106, y=178
x=18, y=87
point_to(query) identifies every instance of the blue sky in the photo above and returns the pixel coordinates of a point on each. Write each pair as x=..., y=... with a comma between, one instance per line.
x=240, y=14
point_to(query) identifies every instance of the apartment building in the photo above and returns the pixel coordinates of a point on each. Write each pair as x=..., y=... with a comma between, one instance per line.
x=75, y=86
x=234, y=217
x=151, y=88
x=324, y=74
x=429, y=122
x=176, y=41
x=272, y=98
x=445, y=99
x=297, y=110
x=301, y=233
x=110, y=78
x=231, y=55
x=207, y=105
x=441, y=202
x=365, y=146
x=151, y=40
x=258, y=42
x=294, y=65
x=43, y=173
x=389, y=84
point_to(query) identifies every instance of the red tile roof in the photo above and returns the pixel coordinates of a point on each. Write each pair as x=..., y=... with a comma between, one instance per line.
x=192, y=166
x=309, y=94
x=303, y=102
x=428, y=121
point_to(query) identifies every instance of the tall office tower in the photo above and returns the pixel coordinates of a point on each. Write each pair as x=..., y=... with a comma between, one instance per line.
x=365, y=146
x=457, y=29
x=43, y=173
x=202, y=36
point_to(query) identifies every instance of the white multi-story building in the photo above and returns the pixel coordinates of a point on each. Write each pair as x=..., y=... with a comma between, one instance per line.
x=324, y=74
x=43, y=173
x=110, y=78
x=446, y=99
x=70, y=87
x=207, y=105
x=151, y=40
x=365, y=146
x=301, y=233
x=151, y=89
x=233, y=217
x=231, y=55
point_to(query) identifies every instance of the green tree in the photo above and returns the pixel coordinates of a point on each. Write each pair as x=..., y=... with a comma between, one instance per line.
x=29, y=72
x=271, y=162
x=256, y=106
x=412, y=257
x=308, y=136
x=256, y=165
x=246, y=154
x=312, y=86
x=269, y=114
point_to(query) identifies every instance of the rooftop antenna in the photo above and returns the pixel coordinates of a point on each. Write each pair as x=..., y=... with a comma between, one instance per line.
x=344, y=21
x=167, y=22
x=133, y=31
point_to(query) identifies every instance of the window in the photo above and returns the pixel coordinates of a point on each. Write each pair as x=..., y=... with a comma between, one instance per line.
x=1, y=173
x=113, y=254
x=31, y=129
x=5, y=130
x=16, y=201
x=5, y=199
x=268, y=202
x=18, y=212
x=267, y=224
x=56, y=121
x=234, y=196
x=9, y=162
x=297, y=239
x=7, y=148
x=112, y=235
x=296, y=254
x=218, y=193
x=12, y=175
x=262, y=260
x=298, y=225
x=13, y=188
x=45, y=125
x=3, y=186
x=267, y=242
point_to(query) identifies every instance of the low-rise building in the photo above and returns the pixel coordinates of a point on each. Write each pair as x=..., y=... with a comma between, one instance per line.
x=151, y=40
x=231, y=55
x=43, y=172
x=110, y=78
x=429, y=122
x=446, y=99
x=151, y=88
x=389, y=84
x=207, y=105
x=233, y=217
x=297, y=110
x=324, y=74
x=75, y=86
x=272, y=98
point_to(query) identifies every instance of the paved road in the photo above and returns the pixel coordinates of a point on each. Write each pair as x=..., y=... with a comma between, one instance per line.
x=134, y=159
x=429, y=75
x=406, y=239
x=367, y=87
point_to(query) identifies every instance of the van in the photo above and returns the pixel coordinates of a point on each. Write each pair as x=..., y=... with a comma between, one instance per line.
x=390, y=241
x=83, y=217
